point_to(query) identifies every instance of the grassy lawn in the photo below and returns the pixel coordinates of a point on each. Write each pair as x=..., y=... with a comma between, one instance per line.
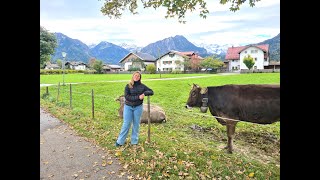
x=176, y=151
x=89, y=78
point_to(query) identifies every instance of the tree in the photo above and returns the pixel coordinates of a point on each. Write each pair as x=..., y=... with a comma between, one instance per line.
x=97, y=65
x=186, y=63
x=59, y=62
x=175, y=8
x=212, y=62
x=151, y=68
x=248, y=61
x=138, y=63
x=48, y=43
x=91, y=62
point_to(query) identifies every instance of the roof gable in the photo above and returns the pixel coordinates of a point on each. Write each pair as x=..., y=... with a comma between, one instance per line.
x=234, y=52
x=140, y=55
x=183, y=54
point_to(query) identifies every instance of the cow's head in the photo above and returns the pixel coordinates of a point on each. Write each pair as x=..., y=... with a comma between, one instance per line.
x=195, y=96
x=121, y=99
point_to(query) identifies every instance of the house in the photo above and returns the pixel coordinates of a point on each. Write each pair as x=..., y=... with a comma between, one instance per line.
x=137, y=60
x=48, y=65
x=173, y=60
x=260, y=54
x=111, y=68
x=76, y=65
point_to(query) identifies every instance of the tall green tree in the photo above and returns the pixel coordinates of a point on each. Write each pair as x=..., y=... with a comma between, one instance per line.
x=97, y=65
x=59, y=62
x=48, y=43
x=175, y=8
x=212, y=62
x=248, y=61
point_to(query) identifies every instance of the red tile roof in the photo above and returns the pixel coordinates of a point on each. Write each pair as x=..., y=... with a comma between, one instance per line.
x=234, y=52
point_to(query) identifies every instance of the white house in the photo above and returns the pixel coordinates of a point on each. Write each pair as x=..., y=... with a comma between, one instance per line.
x=260, y=54
x=76, y=65
x=136, y=59
x=173, y=60
x=48, y=65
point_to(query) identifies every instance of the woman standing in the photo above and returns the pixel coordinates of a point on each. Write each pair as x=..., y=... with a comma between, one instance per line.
x=134, y=94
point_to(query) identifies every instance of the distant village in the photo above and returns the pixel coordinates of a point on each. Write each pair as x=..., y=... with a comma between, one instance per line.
x=173, y=61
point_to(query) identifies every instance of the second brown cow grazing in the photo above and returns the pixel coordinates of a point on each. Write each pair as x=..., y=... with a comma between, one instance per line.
x=157, y=114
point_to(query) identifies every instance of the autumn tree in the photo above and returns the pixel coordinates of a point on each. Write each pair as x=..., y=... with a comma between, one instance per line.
x=48, y=43
x=248, y=61
x=91, y=62
x=175, y=8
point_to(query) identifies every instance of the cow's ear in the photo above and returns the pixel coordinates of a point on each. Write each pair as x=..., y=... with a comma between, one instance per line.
x=203, y=90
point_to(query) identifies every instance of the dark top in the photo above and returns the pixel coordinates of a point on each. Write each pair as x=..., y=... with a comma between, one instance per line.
x=132, y=94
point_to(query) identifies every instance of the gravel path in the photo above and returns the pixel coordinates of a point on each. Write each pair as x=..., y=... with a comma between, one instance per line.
x=64, y=155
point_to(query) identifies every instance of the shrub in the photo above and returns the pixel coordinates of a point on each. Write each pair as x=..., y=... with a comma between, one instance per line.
x=134, y=69
x=151, y=68
x=176, y=72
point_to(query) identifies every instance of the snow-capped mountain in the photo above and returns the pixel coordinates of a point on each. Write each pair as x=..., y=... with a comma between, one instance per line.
x=216, y=48
x=130, y=47
x=92, y=46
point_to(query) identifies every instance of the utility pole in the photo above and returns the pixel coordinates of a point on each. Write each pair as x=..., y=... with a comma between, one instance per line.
x=63, y=66
x=159, y=61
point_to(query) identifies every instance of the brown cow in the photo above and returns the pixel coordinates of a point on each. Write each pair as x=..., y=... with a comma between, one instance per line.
x=157, y=114
x=256, y=103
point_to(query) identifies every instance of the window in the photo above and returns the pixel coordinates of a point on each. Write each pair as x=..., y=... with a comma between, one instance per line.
x=254, y=51
x=245, y=52
x=265, y=60
x=255, y=59
x=167, y=62
x=171, y=55
x=255, y=67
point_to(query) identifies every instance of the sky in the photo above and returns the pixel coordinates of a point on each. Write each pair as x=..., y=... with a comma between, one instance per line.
x=83, y=20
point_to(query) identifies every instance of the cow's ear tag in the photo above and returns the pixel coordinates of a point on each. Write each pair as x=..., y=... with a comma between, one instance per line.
x=203, y=90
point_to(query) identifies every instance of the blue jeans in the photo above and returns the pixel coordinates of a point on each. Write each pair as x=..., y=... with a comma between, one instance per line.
x=131, y=115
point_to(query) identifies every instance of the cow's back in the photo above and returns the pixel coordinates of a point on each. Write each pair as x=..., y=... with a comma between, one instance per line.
x=252, y=103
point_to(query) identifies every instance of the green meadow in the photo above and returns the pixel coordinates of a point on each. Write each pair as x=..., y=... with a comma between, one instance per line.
x=176, y=150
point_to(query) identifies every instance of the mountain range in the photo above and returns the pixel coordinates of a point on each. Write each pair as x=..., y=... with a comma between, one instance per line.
x=111, y=53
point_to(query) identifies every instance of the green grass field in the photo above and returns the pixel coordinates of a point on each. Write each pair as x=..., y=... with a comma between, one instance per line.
x=176, y=151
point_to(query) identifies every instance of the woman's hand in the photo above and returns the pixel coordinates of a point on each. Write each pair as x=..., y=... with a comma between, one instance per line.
x=141, y=96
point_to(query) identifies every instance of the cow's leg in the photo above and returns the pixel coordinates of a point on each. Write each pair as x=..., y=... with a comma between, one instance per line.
x=231, y=126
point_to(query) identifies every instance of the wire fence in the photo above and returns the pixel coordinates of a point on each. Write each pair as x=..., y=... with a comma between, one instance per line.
x=99, y=102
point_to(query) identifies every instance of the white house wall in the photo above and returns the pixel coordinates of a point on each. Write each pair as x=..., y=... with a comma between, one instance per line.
x=234, y=63
x=174, y=65
x=259, y=55
x=126, y=65
x=80, y=67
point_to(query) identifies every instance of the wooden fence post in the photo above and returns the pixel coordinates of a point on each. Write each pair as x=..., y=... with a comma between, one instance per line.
x=148, y=119
x=70, y=97
x=47, y=90
x=92, y=104
x=58, y=91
